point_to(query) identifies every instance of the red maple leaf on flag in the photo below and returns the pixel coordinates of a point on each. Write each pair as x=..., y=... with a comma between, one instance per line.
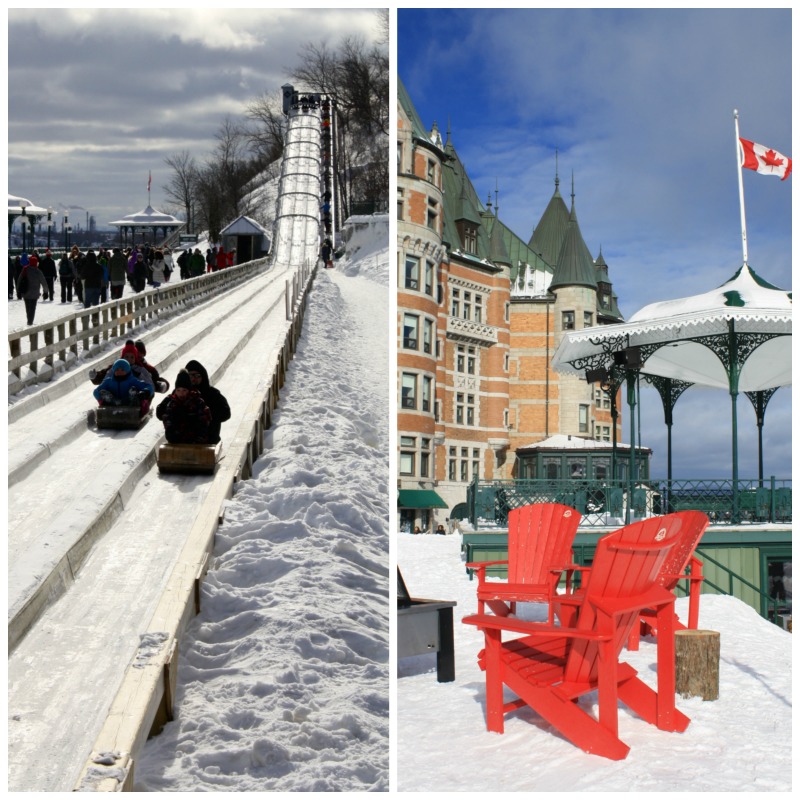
x=772, y=159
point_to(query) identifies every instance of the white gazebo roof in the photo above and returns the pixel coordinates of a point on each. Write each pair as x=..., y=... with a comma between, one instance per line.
x=563, y=441
x=674, y=329
x=148, y=218
x=15, y=206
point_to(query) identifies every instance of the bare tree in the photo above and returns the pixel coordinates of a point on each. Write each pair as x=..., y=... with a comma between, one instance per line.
x=182, y=185
x=266, y=135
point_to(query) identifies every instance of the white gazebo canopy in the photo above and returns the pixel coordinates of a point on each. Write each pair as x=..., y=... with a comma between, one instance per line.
x=674, y=336
x=148, y=219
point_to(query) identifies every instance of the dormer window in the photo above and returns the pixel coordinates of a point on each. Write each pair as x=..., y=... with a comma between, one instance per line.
x=470, y=239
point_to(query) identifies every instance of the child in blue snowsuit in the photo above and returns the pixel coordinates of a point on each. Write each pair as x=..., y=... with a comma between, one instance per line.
x=122, y=388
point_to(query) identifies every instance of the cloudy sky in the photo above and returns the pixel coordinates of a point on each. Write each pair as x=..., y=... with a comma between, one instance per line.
x=98, y=98
x=639, y=105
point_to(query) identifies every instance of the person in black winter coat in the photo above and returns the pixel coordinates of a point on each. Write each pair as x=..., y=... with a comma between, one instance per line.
x=185, y=415
x=48, y=267
x=92, y=279
x=214, y=399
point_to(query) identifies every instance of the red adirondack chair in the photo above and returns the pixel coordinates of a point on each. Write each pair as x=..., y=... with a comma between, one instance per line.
x=550, y=667
x=540, y=540
x=674, y=570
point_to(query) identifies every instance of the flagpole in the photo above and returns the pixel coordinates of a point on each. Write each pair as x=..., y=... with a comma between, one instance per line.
x=741, y=185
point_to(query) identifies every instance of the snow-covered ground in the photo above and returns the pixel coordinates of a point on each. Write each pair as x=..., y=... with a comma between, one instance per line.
x=284, y=677
x=740, y=742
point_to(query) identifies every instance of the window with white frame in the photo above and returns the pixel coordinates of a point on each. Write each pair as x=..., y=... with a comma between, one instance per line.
x=476, y=463
x=412, y=273
x=583, y=419
x=451, y=464
x=408, y=446
x=467, y=305
x=459, y=408
x=408, y=390
x=470, y=409
x=470, y=239
x=427, y=336
x=455, y=303
x=433, y=214
x=464, y=464
x=429, y=272
x=568, y=320
x=427, y=391
x=425, y=458
x=478, y=314
x=410, y=331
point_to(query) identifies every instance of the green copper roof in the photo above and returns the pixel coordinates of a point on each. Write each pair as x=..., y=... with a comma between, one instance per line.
x=574, y=266
x=548, y=235
x=497, y=246
x=418, y=129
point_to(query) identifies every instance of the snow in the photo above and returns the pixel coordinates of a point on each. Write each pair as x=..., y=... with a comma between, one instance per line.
x=283, y=677
x=740, y=742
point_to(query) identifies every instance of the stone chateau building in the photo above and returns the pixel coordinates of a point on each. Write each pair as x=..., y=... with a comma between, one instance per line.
x=480, y=314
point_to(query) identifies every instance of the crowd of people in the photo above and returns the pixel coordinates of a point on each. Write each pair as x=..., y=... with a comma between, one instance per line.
x=192, y=413
x=92, y=277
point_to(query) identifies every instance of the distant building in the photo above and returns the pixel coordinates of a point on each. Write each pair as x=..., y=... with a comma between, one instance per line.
x=480, y=314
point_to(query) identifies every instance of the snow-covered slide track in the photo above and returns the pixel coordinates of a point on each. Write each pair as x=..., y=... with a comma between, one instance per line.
x=112, y=631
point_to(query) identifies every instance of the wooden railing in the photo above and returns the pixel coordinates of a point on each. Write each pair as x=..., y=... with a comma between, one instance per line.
x=38, y=352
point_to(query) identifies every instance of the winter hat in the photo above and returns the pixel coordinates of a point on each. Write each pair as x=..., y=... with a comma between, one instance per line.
x=183, y=381
x=33, y=261
x=130, y=348
x=196, y=366
x=139, y=345
x=121, y=363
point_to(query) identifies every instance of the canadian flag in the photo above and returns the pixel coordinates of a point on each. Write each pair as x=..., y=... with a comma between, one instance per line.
x=764, y=160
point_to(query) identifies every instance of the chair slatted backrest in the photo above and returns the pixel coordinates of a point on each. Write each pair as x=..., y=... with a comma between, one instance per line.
x=540, y=536
x=694, y=526
x=627, y=563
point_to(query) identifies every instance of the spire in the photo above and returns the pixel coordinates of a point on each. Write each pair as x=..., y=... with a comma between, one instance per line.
x=556, y=170
x=548, y=235
x=575, y=266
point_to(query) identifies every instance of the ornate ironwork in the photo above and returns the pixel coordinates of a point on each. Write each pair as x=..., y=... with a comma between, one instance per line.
x=759, y=400
x=670, y=390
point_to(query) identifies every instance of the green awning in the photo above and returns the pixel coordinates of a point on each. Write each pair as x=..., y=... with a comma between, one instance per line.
x=419, y=498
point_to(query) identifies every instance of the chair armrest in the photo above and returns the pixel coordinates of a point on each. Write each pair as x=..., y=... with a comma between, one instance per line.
x=515, y=625
x=480, y=567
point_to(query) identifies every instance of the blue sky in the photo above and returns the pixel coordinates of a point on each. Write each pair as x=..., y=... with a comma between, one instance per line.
x=639, y=105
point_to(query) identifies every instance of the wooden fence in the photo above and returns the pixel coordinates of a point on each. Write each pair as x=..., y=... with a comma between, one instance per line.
x=39, y=352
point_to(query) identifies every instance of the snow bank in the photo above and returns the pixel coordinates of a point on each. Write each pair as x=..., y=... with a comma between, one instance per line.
x=741, y=742
x=284, y=676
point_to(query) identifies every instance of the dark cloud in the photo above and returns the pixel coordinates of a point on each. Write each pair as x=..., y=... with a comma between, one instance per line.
x=100, y=97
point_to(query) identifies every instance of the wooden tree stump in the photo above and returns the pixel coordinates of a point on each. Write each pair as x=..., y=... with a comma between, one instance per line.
x=697, y=664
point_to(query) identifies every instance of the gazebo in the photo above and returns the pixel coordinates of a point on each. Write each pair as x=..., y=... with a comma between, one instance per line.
x=150, y=219
x=737, y=337
x=32, y=212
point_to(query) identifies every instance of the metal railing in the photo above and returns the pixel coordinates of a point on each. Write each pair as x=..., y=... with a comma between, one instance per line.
x=602, y=503
x=766, y=600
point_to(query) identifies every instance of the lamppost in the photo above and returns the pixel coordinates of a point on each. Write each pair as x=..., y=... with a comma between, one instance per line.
x=23, y=220
x=49, y=225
